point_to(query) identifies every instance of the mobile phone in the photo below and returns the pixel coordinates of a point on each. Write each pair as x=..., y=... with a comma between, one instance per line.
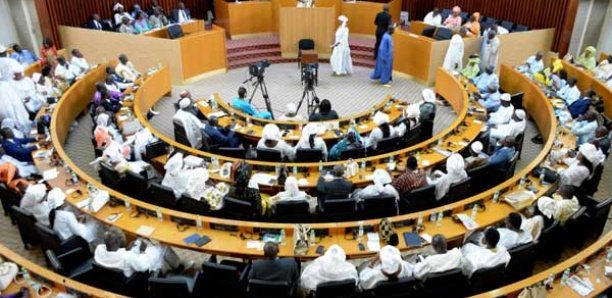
x=202, y=241
x=320, y=249
x=361, y=246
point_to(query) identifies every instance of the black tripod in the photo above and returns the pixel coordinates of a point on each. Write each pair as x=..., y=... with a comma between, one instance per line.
x=311, y=99
x=261, y=85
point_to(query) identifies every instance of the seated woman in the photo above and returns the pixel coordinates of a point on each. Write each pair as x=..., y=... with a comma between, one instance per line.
x=381, y=188
x=64, y=221
x=105, y=127
x=331, y=266
x=33, y=201
x=351, y=140
x=587, y=59
x=293, y=193
x=455, y=167
x=9, y=175
x=382, y=130
x=109, y=100
x=409, y=121
x=311, y=138
x=473, y=25
x=247, y=189
x=271, y=139
x=387, y=264
x=325, y=112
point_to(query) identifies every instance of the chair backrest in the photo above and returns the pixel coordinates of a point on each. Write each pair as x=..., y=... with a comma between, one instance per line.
x=507, y=24
x=232, y=152
x=402, y=287
x=180, y=135
x=55, y=263
x=168, y=287
x=308, y=155
x=136, y=185
x=443, y=33
x=458, y=190
x=450, y=283
x=268, y=154
x=48, y=238
x=429, y=31
x=340, y=209
x=109, y=176
x=355, y=153
x=590, y=186
x=155, y=149
x=306, y=44
x=520, y=28
x=293, y=211
x=599, y=216
x=163, y=196
x=419, y=199
x=517, y=100
x=484, y=279
x=336, y=289
x=263, y=288
x=382, y=206
x=465, y=16
x=387, y=145
x=479, y=174
x=9, y=199
x=445, y=13
x=519, y=143
x=25, y=223
x=188, y=204
x=512, y=165
x=218, y=276
x=522, y=261
x=574, y=228
x=237, y=208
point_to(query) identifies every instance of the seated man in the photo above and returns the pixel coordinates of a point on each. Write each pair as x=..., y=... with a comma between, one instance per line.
x=332, y=266
x=17, y=148
x=533, y=65
x=274, y=268
x=127, y=26
x=333, y=184
x=477, y=158
x=585, y=126
x=490, y=99
x=271, y=139
x=512, y=236
x=126, y=70
x=602, y=140
x=581, y=105
x=23, y=56
x=192, y=108
x=433, y=18
x=78, y=63
x=219, y=135
x=383, y=130
x=514, y=128
x=560, y=207
x=325, y=112
x=114, y=253
x=386, y=265
x=486, y=254
x=64, y=221
x=411, y=179
x=25, y=88
x=500, y=159
x=570, y=93
x=192, y=125
x=443, y=260
x=240, y=103
x=121, y=82
x=64, y=71
x=504, y=112
x=486, y=78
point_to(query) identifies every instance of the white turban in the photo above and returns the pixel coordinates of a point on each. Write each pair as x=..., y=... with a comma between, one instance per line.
x=343, y=18
x=184, y=103
x=333, y=255
x=381, y=178
x=428, y=95
x=291, y=108
x=117, y=6
x=492, y=85
x=56, y=197
x=476, y=147
x=412, y=112
x=390, y=258
x=520, y=114
x=505, y=97
x=271, y=132
x=174, y=164
x=18, y=68
x=591, y=153
x=291, y=187
x=192, y=161
x=455, y=163
x=547, y=206
x=380, y=118
x=35, y=193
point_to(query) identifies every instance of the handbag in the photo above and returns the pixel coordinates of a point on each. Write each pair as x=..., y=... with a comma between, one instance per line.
x=300, y=239
x=386, y=230
x=535, y=291
x=8, y=271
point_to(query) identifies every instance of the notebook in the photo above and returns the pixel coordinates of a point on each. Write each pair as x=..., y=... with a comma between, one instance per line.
x=413, y=239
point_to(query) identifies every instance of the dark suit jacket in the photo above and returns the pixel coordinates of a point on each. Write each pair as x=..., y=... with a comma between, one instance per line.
x=335, y=187
x=332, y=115
x=221, y=137
x=283, y=269
x=17, y=148
x=382, y=22
x=175, y=15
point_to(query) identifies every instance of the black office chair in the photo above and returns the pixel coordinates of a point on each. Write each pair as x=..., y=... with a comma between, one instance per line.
x=549, y=244
x=174, y=285
x=412, y=136
x=237, y=208
x=337, y=209
x=113, y=280
x=110, y=177
x=445, y=13
x=336, y=289
x=226, y=279
x=155, y=149
x=74, y=264
x=590, y=186
x=429, y=31
x=519, y=144
x=9, y=199
x=479, y=174
x=25, y=223
x=485, y=279
x=191, y=205
x=387, y=145
x=136, y=186
x=522, y=261
x=573, y=230
x=418, y=199
x=291, y=211
x=451, y=283
x=232, y=152
x=598, y=216
x=162, y=196
x=520, y=28
x=308, y=155
x=180, y=135
x=443, y=33
x=517, y=100
x=269, y=289
x=426, y=132
x=304, y=44
x=269, y=155
x=398, y=288
x=355, y=153
x=376, y=207
x=458, y=190
x=465, y=16
x=507, y=24
x=50, y=240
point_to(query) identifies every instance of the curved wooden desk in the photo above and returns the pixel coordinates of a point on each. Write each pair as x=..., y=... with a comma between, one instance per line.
x=587, y=81
x=57, y=283
x=594, y=256
x=229, y=243
x=36, y=67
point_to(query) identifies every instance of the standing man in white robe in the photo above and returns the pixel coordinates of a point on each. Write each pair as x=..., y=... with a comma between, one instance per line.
x=12, y=106
x=190, y=123
x=26, y=90
x=490, y=49
x=340, y=59
x=453, y=62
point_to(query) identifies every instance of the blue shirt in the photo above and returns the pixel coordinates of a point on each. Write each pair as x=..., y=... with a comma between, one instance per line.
x=483, y=81
x=25, y=57
x=247, y=108
x=222, y=137
x=501, y=158
x=579, y=107
x=491, y=101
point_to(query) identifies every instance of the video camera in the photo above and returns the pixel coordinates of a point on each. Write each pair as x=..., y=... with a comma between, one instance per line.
x=258, y=69
x=309, y=73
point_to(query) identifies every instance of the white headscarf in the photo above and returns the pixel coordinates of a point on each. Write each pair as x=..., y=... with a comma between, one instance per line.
x=476, y=147
x=2, y=48
x=102, y=120
x=33, y=195
x=184, y=103
x=390, y=259
x=412, y=112
x=343, y=19
x=381, y=178
x=592, y=154
x=453, y=61
x=18, y=68
x=547, y=206
x=380, y=118
x=291, y=187
x=117, y=6
x=271, y=132
x=308, y=130
x=428, y=95
x=291, y=108
x=455, y=167
x=174, y=165
x=56, y=197
x=520, y=114
x=331, y=266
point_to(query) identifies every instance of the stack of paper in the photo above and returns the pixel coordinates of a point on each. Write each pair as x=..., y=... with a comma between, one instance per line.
x=373, y=241
x=581, y=286
x=145, y=231
x=468, y=222
x=50, y=174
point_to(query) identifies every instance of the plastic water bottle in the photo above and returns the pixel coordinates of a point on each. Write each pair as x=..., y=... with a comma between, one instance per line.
x=496, y=197
x=360, y=232
x=522, y=182
x=295, y=171
x=159, y=214
x=363, y=165
x=283, y=237
x=543, y=176
x=199, y=223
x=440, y=218
x=311, y=238
x=128, y=205
x=474, y=212
x=565, y=276
x=320, y=166
x=420, y=220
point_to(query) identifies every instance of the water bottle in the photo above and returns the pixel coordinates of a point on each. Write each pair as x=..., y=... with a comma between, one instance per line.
x=360, y=232
x=74, y=178
x=283, y=237
x=320, y=167
x=128, y=205
x=295, y=171
x=311, y=238
x=159, y=214
x=496, y=197
x=440, y=218
x=363, y=164
x=543, y=176
x=420, y=221
x=565, y=276
x=474, y=212
x=522, y=182
x=199, y=223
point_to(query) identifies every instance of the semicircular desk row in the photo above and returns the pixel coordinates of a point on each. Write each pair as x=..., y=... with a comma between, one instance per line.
x=230, y=244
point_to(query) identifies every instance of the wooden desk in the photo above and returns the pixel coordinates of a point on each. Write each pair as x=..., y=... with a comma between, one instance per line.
x=245, y=19
x=36, y=67
x=587, y=81
x=361, y=15
x=317, y=23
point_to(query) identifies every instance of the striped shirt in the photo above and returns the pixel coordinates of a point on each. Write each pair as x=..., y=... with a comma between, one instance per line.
x=409, y=180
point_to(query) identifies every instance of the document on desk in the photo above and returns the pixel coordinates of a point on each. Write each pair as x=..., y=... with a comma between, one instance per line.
x=145, y=231
x=255, y=244
x=468, y=222
x=581, y=286
x=50, y=174
x=373, y=241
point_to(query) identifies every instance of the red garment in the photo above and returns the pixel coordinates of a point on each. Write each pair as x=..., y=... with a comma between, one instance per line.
x=8, y=172
x=48, y=54
x=409, y=181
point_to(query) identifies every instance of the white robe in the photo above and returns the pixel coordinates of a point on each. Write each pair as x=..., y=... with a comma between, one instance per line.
x=66, y=225
x=128, y=261
x=512, y=129
x=40, y=209
x=6, y=68
x=532, y=66
x=192, y=126
x=453, y=61
x=340, y=59
x=12, y=107
x=574, y=175
x=502, y=115
x=603, y=70
x=26, y=88
x=286, y=150
x=476, y=257
x=369, y=277
x=438, y=263
x=377, y=135
x=491, y=53
x=510, y=239
x=127, y=71
x=431, y=20
x=65, y=72
x=25, y=169
x=332, y=266
x=79, y=66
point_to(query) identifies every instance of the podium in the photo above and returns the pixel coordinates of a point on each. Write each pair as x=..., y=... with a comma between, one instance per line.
x=317, y=23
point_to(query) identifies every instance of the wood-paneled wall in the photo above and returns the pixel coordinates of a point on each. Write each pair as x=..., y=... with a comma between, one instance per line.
x=537, y=14
x=53, y=13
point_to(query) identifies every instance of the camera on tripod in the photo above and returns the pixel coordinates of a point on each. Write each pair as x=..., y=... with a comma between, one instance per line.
x=258, y=69
x=309, y=74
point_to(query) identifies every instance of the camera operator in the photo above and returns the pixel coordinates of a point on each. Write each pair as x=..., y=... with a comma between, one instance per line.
x=240, y=103
x=325, y=112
